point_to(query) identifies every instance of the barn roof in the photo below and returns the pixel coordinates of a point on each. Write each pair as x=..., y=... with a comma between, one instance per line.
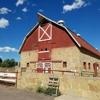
x=77, y=39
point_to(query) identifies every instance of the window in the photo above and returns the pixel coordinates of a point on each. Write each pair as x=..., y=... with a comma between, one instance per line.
x=41, y=50
x=89, y=66
x=64, y=64
x=84, y=65
x=27, y=65
x=46, y=49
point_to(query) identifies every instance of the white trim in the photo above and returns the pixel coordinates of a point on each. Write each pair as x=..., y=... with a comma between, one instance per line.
x=72, y=36
x=43, y=66
x=43, y=51
x=45, y=33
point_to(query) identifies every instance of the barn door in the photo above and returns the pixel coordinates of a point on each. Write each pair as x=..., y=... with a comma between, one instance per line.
x=39, y=67
x=44, y=67
x=45, y=32
x=95, y=65
x=47, y=67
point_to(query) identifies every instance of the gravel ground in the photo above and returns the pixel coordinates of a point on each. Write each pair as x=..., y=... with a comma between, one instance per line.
x=11, y=93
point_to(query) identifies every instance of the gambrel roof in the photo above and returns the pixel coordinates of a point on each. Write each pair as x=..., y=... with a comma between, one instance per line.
x=77, y=39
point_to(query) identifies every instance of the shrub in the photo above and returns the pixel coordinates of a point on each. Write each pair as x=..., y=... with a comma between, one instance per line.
x=50, y=91
x=40, y=90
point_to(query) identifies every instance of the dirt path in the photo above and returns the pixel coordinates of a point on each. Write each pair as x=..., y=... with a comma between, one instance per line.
x=11, y=93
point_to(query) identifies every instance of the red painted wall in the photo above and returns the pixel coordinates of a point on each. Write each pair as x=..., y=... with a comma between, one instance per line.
x=31, y=42
x=59, y=39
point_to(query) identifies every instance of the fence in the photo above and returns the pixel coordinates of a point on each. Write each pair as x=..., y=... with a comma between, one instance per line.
x=88, y=74
x=8, y=78
x=57, y=71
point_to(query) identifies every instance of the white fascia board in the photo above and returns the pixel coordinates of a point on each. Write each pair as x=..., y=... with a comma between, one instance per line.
x=72, y=36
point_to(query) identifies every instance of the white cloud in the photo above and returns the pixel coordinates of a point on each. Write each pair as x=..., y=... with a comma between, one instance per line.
x=8, y=49
x=28, y=3
x=24, y=9
x=20, y=2
x=98, y=9
x=33, y=5
x=87, y=4
x=76, y=5
x=18, y=18
x=74, y=30
x=4, y=23
x=4, y=10
x=40, y=10
x=63, y=1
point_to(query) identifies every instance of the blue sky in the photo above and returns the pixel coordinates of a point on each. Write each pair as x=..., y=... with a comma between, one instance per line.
x=17, y=17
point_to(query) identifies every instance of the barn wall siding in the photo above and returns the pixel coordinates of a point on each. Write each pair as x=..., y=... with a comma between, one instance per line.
x=60, y=47
x=70, y=55
x=88, y=57
x=31, y=42
x=28, y=56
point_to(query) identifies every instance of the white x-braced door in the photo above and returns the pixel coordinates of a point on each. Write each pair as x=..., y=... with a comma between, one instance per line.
x=45, y=32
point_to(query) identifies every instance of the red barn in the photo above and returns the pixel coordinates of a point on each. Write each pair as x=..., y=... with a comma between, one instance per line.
x=52, y=46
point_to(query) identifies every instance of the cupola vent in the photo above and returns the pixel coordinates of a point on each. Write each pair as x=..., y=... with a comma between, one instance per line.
x=61, y=22
x=78, y=35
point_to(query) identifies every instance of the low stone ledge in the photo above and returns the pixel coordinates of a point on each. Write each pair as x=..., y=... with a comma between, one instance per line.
x=69, y=97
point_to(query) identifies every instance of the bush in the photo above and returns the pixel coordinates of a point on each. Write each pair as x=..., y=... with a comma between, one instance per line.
x=51, y=91
x=40, y=90
x=48, y=91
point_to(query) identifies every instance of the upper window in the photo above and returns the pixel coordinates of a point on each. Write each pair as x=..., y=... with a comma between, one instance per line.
x=64, y=64
x=46, y=49
x=41, y=50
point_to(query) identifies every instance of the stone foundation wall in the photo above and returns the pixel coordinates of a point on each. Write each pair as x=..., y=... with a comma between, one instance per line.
x=88, y=87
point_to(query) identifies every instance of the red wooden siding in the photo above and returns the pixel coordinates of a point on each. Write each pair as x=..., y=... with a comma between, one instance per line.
x=31, y=42
x=59, y=39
